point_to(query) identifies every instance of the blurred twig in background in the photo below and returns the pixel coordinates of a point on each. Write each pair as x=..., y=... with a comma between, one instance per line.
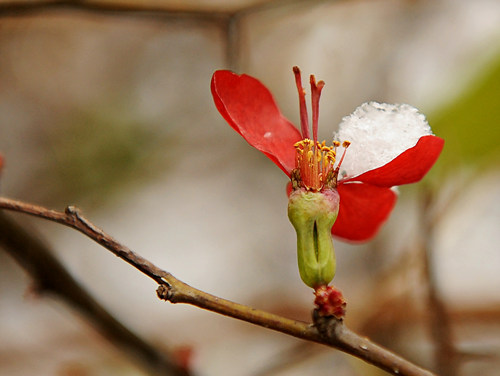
x=228, y=20
x=446, y=356
x=50, y=276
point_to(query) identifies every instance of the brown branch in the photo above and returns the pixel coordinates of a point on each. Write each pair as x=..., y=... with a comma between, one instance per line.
x=50, y=276
x=166, y=12
x=18, y=8
x=327, y=331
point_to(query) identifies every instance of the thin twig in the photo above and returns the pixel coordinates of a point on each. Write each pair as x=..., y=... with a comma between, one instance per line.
x=447, y=358
x=227, y=20
x=327, y=331
x=176, y=13
x=17, y=8
x=50, y=276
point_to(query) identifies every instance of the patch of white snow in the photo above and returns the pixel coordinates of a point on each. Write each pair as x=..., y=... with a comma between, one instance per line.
x=378, y=133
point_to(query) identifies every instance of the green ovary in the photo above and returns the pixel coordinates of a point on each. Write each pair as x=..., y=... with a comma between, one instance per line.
x=312, y=215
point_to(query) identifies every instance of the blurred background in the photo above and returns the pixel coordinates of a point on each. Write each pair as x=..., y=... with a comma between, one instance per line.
x=106, y=105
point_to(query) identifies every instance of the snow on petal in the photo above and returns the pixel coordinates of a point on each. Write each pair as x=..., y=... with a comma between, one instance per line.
x=378, y=133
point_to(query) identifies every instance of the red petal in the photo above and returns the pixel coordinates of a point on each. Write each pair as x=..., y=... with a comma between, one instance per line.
x=408, y=167
x=363, y=209
x=250, y=109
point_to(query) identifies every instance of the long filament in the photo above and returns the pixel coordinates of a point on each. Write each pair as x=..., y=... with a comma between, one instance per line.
x=304, y=122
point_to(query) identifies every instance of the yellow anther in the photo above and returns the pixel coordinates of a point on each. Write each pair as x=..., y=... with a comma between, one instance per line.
x=336, y=144
x=346, y=144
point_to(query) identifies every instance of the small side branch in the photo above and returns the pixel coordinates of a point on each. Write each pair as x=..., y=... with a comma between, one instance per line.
x=327, y=331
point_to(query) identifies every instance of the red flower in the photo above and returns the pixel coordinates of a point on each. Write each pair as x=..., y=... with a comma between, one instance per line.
x=366, y=199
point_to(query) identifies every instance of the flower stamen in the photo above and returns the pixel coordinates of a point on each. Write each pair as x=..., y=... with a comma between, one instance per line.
x=345, y=145
x=315, y=164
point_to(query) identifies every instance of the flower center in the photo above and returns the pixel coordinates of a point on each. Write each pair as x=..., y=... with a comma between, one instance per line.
x=314, y=161
x=314, y=164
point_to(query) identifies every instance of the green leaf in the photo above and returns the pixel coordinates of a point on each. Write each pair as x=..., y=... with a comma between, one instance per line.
x=470, y=125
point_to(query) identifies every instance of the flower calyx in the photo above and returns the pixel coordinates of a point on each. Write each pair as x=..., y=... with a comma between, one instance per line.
x=313, y=214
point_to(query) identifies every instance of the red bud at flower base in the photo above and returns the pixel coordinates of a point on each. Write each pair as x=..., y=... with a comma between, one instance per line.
x=330, y=302
x=312, y=215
